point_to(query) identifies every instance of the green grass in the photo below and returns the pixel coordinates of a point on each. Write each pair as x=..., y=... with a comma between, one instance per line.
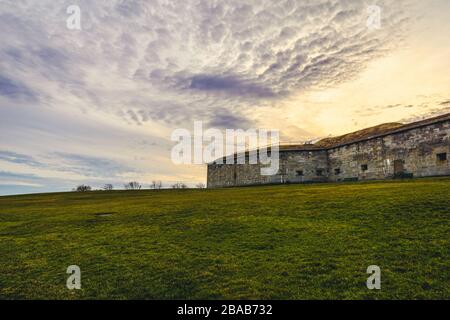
x=275, y=242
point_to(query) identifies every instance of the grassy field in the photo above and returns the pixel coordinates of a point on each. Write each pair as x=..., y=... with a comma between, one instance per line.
x=277, y=242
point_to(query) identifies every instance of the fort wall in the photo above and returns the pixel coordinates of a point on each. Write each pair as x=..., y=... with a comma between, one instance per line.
x=415, y=150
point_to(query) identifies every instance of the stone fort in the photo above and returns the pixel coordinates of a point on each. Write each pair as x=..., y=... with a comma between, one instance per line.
x=387, y=151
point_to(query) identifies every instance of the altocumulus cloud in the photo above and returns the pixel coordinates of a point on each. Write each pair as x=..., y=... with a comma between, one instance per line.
x=201, y=54
x=13, y=90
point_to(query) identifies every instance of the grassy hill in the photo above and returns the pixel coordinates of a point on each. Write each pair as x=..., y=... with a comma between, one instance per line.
x=277, y=242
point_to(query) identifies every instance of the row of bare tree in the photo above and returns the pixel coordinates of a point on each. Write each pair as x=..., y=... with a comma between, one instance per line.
x=135, y=185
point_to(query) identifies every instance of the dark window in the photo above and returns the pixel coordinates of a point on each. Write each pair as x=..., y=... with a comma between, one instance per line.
x=299, y=172
x=319, y=172
x=337, y=171
x=442, y=156
x=364, y=167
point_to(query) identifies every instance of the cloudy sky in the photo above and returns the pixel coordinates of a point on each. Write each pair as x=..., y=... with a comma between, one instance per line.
x=98, y=105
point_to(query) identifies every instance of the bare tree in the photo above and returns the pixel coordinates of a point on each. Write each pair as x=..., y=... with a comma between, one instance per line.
x=156, y=185
x=108, y=187
x=133, y=185
x=179, y=185
x=200, y=185
x=83, y=188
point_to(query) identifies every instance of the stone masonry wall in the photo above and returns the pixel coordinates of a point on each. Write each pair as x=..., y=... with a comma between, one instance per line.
x=414, y=151
x=303, y=166
x=295, y=167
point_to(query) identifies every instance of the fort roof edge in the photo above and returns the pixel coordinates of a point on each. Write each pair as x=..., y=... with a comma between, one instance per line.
x=405, y=127
x=312, y=147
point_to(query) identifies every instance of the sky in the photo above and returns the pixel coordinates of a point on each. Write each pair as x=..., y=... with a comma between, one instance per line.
x=98, y=105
